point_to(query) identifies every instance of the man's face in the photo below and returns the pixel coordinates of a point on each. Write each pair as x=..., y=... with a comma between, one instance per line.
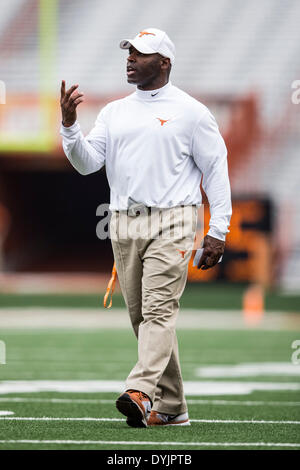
x=143, y=69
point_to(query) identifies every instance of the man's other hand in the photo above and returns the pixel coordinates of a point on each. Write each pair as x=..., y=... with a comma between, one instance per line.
x=213, y=249
x=69, y=100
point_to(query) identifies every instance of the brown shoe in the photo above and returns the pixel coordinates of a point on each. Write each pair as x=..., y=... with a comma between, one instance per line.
x=161, y=419
x=136, y=406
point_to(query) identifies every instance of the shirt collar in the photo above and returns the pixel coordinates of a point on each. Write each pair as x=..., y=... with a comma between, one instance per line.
x=152, y=95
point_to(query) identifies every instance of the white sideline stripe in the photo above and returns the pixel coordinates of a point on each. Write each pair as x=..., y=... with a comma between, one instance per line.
x=242, y=421
x=251, y=369
x=92, y=401
x=6, y=413
x=155, y=443
x=108, y=401
x=45, y=418
x=214, y=421
x=192, y=388
x=35, y=319
x=243, y=403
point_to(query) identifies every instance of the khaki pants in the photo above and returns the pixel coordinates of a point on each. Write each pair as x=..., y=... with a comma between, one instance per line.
x=152, y=266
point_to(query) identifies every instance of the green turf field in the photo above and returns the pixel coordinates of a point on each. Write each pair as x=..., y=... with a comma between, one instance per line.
x=258, y=409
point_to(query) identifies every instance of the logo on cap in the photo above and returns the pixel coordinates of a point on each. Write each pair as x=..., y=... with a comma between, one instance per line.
x=144, y=33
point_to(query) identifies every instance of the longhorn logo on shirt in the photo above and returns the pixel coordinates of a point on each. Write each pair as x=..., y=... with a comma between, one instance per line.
x=182, y=252
x=145, y=33
x=163, y=121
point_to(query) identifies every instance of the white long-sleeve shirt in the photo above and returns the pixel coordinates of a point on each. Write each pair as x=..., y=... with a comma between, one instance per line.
x=156, y=145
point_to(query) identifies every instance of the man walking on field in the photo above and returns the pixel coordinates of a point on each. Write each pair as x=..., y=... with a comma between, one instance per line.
x=156, y=144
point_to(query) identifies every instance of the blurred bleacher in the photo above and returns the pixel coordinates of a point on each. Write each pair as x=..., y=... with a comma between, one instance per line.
x=223, y=46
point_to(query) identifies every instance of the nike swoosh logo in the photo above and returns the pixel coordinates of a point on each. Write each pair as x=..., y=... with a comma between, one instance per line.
x=155, y=94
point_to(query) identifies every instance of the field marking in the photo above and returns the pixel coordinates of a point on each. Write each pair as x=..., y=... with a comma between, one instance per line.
x=92, y=401
x=89, y=319
x=154, y=443
x=243, y=403
x=251, y=369
x=212, y=421
x=192, y=388
x=99, y=401
x=6, y=413
x=242, y=421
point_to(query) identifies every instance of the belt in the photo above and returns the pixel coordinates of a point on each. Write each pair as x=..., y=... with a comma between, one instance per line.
x=136, y=209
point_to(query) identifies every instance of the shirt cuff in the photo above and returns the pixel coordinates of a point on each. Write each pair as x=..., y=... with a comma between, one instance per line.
x=214, y=232
x=70, y=131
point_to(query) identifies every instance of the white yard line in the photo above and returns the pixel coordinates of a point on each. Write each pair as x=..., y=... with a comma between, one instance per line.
x=90, y=401
x=45, y=418
x=35, y=318
x=95, y=401
x=243, y=403
x=212, y=421
x=191, y=388
x=251, y=369
x=154, y=443
x=242, y=421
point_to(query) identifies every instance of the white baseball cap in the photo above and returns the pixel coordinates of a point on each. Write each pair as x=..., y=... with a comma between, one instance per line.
x=150, y=41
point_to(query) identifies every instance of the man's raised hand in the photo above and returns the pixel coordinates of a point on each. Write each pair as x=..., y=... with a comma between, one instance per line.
x=69, y=100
